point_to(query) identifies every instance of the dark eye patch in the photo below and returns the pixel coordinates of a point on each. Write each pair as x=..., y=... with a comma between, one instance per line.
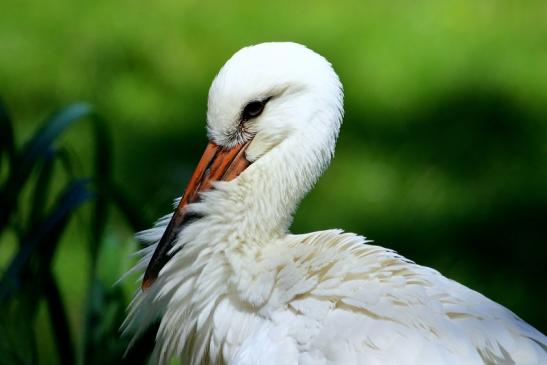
x=253, y=109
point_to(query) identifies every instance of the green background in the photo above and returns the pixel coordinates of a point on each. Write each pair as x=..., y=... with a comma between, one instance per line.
x=442, y=155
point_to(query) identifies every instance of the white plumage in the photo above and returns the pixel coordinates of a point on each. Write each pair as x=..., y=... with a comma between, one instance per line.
x=240, y=289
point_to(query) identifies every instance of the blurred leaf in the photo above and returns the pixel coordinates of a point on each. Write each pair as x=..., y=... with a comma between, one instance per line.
x=17, y=339
x=7, y=143
x=59, y=321
x=35, y=149
x=45, y=237
x=102, y=179
x=41, y=188
x=106, y=311
x=45, y=136
x=28, y=278
x=29, y=272
x=61, y=153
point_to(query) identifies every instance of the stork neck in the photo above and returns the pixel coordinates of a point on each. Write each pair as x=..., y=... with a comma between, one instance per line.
x=263, y=199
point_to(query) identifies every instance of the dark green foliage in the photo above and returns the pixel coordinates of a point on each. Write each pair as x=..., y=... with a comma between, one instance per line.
x=28, y=280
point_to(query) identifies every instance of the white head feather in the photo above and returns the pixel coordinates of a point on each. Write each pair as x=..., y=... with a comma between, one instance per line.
x=304, y=92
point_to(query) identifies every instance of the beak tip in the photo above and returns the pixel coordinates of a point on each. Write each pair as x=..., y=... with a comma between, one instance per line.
x=147, y=283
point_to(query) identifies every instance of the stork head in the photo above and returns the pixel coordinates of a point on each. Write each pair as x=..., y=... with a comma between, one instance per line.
x=268, y=99
x=268, y=92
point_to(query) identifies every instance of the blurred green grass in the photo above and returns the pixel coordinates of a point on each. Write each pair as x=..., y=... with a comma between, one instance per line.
x=443, y=154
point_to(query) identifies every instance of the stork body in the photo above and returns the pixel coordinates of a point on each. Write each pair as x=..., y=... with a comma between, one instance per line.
x=233, y=286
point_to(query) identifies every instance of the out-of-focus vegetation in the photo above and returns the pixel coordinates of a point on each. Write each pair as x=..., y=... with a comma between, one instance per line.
x=443, y=154
x=37, y=223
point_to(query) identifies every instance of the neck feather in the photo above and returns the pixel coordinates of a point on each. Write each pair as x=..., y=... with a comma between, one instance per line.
x=258, y=206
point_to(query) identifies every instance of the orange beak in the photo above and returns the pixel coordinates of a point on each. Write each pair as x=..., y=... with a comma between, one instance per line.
x=217, y=163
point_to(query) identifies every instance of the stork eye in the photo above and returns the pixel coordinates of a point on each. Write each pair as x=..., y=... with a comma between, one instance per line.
x=253, y=109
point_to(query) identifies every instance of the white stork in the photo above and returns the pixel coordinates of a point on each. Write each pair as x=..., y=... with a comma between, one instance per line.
x=231, y=285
